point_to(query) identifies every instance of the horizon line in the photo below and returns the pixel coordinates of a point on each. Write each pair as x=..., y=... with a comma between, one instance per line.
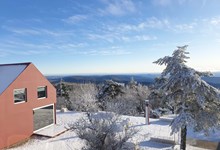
x=103, y=74
x=99, y=74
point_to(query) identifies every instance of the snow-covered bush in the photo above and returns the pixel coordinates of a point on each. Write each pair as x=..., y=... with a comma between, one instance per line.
x=103, y=131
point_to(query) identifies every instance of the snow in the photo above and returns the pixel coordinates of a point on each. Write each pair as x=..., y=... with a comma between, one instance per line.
x=8, y=74
x=158, y=129
x=52, y=130
x=212, y=136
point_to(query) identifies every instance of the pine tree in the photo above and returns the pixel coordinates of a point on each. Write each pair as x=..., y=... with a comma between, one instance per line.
x=132, y=84
x=196, y=102
x=64, y=91
x=110, y=90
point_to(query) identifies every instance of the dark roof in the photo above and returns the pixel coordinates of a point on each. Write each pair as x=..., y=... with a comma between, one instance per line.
x=24, y=63
x=9, y=72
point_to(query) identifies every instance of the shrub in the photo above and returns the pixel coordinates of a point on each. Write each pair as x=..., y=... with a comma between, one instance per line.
x=103, y=131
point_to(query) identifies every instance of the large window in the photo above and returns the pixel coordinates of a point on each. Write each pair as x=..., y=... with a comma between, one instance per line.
x=20, y=95
x=43, y=117
x=42, y=92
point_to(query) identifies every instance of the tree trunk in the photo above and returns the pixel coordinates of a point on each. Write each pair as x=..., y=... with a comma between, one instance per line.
x=183, y=138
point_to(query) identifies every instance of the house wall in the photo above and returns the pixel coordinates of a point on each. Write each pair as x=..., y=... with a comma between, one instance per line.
x=16, y=120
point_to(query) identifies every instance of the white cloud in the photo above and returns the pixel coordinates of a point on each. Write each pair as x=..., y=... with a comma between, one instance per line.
x=75, y=19
x=118, y=7
x=113, y=37
x=138, y=38
x=210, y=26
x=110, y=37
x=34, y=31
x=24, y=31
x=112, y=51
x=151, y=22
x=165, y=3
x=19, y=47
x=184, y=27
x=7, y=52
x=71, y=46
x=215, y=21
x=115, y=52
x=162, y=24
x=145, y=38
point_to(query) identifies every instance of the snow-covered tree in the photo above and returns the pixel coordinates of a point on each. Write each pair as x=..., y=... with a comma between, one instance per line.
x=63, y=91
x=110, y=90
x=156, y=97
x=132, y=84
x=83, y=97
x=196, y=102
x=125, y=100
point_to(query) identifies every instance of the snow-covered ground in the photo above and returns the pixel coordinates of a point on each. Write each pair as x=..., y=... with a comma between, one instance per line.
x=158, y=129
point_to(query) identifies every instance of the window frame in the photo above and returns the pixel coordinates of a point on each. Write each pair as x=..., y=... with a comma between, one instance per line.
x=45, y=92
x=23, y=101
x=54, y=116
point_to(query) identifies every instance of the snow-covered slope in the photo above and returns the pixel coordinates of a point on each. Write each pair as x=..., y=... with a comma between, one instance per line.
x=158, y=129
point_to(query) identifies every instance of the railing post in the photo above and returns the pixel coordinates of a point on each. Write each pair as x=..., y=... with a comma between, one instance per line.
x=147, y=112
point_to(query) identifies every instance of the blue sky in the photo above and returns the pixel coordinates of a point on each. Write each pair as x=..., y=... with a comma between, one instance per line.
x=108, y=36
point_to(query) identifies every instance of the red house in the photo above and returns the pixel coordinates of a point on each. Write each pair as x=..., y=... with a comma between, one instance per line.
x=27, y=102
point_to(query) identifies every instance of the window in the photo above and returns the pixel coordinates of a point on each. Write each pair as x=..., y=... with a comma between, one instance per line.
x=43, y=117
x=20, y=95
x=42, y=92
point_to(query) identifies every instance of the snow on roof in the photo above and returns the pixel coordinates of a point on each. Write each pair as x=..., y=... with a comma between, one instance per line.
x=8, y=73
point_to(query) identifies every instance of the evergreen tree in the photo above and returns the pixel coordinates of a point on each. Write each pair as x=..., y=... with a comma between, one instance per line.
x=64, y=90
x=196, y=102
x=111, y=90
x=132, y=84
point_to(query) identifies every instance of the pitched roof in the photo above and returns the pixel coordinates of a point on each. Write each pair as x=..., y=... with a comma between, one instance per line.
x=9, y=72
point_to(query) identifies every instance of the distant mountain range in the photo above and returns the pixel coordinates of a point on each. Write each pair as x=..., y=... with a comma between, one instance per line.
x=145, y=79
x=140, y=78
x=216, y=74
